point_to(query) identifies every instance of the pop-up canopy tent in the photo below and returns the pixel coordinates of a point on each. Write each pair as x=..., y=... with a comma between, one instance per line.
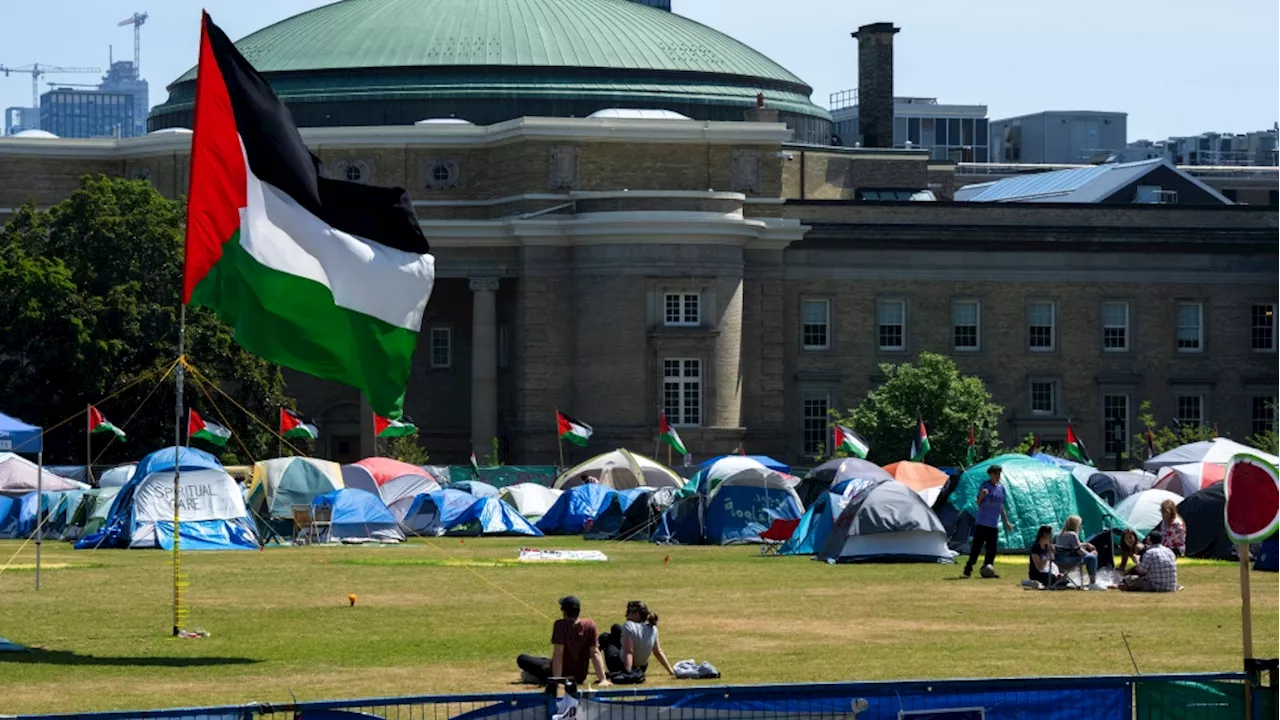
x=576, y=508
x=1218, y=451
x=531, y=500
x=359, y=516
x=1204, y=513
x=826, y=476
x=1142, y=510
x=19, y=476
x=744, y=499
x=926, y=480
x=1116, y=485
x=1036, y=494
x=475, y=488
x=279, y=484
x=433, y=514
x=886, y=521
x=620, y=469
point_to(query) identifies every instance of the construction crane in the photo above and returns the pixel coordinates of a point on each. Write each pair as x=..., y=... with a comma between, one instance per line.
x=35, y=70
x=136, y=21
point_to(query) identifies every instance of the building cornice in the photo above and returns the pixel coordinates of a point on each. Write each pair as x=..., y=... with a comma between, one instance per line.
x=613, y=228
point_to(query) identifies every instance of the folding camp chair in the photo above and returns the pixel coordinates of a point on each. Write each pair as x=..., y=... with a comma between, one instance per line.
x=779, y=532
x=1069, y=560
x=321, y=522
x=302, y=523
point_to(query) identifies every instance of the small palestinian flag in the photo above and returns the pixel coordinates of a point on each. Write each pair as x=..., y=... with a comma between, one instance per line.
x=475, y=466
x=971, y=457
x=1151, y=445
x=920, y=444
x=384, y=428
x=293, y=426
x=851, y=442
x=212, y=433
x=668, y=435
x=1075, y=447
x=572, y=430
x=99, y=424
x=1035, y=444
x=321, y=275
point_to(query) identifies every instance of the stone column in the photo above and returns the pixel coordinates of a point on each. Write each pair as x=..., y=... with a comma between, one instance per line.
x=484, y=364
x=368, y=440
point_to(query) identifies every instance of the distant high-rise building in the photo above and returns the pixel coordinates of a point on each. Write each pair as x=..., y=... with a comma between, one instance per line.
x=71, y=113
x=663, y=4
x=1066, y=137
x=123, y=78
x=17, y=119
x=948, y=132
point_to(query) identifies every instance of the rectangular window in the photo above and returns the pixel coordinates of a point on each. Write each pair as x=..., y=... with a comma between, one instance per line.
x=815, y=324
x=814, y=422
x=965, y=319
x=1115, y=423
x=682, y=391
x=1190, y=410
x=940, y=137
x=1190, y=327
x=1264, y=414
x=1040, y=326
x=681, y=310
x=441, y=347
x=1115, y=326
x=1264, y=327
x=891, y=318
x=1044, y=397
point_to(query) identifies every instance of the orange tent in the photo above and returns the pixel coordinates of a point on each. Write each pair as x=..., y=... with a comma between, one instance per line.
x=917, y=476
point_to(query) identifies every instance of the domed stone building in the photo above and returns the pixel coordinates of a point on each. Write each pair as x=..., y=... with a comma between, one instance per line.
x=395, y=62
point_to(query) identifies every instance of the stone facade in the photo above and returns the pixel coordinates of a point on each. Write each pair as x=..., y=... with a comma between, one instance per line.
x=561, y=246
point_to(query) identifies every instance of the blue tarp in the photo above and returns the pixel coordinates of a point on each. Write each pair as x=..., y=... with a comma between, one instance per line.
x=475, y=488
x=10, y=510
x=1056, y=461
x=19, y=437
x=434, y=513
x=575, y=508
x=491, y=516
x=627, y=497
x=1268, y=555
x=764, y=460
x=359, y=515
x=18, y=515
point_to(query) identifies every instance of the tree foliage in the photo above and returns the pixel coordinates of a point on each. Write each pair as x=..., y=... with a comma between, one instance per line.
x=406, y=449
x=89, y=298
x=933, y=389
x=1165, y=437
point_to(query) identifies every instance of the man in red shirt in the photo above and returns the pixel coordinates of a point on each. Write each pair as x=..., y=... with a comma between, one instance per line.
x=574, y=643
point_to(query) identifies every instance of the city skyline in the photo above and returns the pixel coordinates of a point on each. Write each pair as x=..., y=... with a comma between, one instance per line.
x=1229, y=83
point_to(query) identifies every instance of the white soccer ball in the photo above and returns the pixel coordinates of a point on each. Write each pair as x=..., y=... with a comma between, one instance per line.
x=987, y=571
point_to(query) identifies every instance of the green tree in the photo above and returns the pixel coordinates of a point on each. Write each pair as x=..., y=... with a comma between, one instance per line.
x=1165, y=437
x=89, y=297
x=931, y=388
x=494, y=458
x=406, y=449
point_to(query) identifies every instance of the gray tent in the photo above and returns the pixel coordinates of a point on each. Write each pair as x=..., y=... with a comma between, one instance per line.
x=820, y=479
x=1114, y=486
x=887, y=522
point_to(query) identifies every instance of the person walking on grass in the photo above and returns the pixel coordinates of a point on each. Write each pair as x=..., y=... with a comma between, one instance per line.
x=986, y=529
x=574, y=646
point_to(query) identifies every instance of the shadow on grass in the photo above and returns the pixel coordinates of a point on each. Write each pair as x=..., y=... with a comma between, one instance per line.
x=67, y=657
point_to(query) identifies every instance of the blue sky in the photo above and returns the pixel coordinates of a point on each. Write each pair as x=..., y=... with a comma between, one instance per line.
x=1177, y=67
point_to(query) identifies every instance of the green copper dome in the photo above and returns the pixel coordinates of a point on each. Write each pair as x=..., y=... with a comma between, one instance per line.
x=490, y=60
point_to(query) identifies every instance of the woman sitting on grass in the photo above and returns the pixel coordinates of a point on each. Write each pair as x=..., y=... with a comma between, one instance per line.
x=1130, y=548
x=627, y=648
x=1040, y=568
x=1069, y=540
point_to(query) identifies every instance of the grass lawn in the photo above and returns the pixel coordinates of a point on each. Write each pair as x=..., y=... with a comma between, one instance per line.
x=450, y=616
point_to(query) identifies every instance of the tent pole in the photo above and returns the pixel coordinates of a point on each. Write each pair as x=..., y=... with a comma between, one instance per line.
x=177, y=462
x=39, y=502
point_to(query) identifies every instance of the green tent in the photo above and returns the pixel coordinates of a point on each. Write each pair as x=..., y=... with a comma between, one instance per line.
x=91, y=512
x=1036, y=494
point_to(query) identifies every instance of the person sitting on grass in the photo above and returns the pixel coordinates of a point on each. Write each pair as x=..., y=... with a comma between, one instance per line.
x=627, y=648
x=573, y=647
x=1069, y=541
x=1130, y=548
x=1040, y=566
x=1156, y=571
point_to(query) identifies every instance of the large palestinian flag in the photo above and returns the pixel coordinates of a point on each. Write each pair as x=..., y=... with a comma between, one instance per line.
x=324, y=276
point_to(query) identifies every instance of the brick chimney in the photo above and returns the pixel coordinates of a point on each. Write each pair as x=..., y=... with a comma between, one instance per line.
x=875, y=84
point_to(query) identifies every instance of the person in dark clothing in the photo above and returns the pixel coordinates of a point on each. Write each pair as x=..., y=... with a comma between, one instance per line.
x=986, y=528
x=1040, y=562
x=574, y=647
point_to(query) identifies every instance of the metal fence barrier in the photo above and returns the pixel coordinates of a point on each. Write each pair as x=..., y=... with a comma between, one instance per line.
x=1202, y=696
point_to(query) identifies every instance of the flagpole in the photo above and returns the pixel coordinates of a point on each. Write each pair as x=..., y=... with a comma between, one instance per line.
x=177, y=464
x=559, y=439
x=658, y=437
x=88, y=444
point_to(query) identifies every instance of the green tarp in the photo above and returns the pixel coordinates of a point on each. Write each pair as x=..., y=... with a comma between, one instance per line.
x=1036, y=494
x=1190, y=700
x=501, y=476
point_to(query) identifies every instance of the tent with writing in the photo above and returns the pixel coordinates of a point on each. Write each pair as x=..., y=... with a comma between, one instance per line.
x=743, y=500
x=211, y=514
x=19, y=476
x=531, y=500
x=1036, y=494
x=886, y=521
x=359, y=516
x=281, y=483
x=575, y=509
x=620, y=469
x=826, y=476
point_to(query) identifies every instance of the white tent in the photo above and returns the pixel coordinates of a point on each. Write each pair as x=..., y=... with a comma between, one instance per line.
x=1142, y=510
x=118, y=476
x=1218, y=451
x=18, y=477
x=530, y=499
x=211, y=510
x=621, y=469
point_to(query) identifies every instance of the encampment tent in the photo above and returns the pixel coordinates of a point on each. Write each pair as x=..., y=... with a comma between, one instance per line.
x=1206, y=528
x=1217, y=450
x=1142, y=510
x=1268, y=555
x=743, y=500
x=765, y=460
x=433, y=514
x=211, y=514
x=18, y=477
x=633, y=521
x=576, y=508
x=359, y=516
x=1055, y=461
x=531, y=500
x=370, y=474
x=826, y=476
x=491, y=516
x=886, y=521
x=620, y=469
x=926, y=480
x=1036, y=494
x=1115, y=485
x=91, y=512
x=475, y=488
x=1189, y=478
x=279, y=484
x=609, y=522
x=810, y=536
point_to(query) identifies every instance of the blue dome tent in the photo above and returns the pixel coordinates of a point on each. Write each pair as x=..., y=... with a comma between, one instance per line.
x=359, y=516
x=433, y=514
x=475, y=488
x=575, y=508
x=491, y=516
x=743, y=500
